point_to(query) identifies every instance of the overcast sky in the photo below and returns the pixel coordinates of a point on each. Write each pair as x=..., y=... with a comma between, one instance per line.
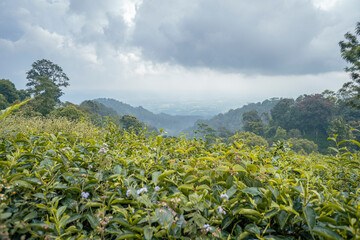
x=140, y=51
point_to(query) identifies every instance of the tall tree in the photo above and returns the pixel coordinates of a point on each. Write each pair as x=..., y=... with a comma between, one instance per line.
x=253, y=123
x=8, y=90
x=350, y=51
x=282, y=114
x=46, y=95
x=42, y=68
x=315, y=114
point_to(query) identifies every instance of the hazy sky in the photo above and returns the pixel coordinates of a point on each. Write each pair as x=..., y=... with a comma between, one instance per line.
x=201, y=50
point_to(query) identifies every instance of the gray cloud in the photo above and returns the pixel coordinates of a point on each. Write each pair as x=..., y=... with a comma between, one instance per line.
x=269, y=37
x=199, y=49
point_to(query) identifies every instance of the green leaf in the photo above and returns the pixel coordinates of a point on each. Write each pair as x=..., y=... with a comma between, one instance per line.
x=144, y=199
x=238, y=168
x=39, y=195
x=94, y=222
x=271, y=213
x=165, y=174
x=6, y=215
x=226, y=221
x=7, y=111
x=114, y=176
x=245, y=211
x=252, y=228
x=60, y=211
x=63, y=220
x=148, y=232
x=128, y=236
x=42, y=206
x=326, y=219
x=326, y=233
x=186, y=187
x=30, y=216
x=158, y=140
x=310, y=215
x=222, y=169
x=93, y=204
x=281, y=218
x=74, y=218
x=155, y=177
x=117, y=169
x=120, y=221
x=203, y=186
x=164, y=216
x=252, y=190
x=231, y=191
x=71, y=229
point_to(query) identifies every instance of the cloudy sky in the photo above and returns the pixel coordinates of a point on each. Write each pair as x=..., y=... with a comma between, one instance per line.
x=225, y=52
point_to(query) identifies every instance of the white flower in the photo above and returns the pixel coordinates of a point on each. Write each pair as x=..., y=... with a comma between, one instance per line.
x=128, y=193
x=85, y=194
x=141, y=190
x=105, y=145
x=221, y=210
x=207, y=227
x=224, y=196
x=103, y=150
x=157, y=188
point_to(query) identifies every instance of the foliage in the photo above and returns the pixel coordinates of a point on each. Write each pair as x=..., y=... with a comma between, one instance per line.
x=223, y=132
x=303, y=146
x=233, y=120
x=70, y=112
x=350, y=51
x=45, y=68
x=281, y=113
x=8, y=90
x=129, y=122
x=124, y=185
x=45, y=80
x=4, y=113
x=3, y=103
x=18, y=124
x=280, y=134
x=253, y=123
x=46, y=94
x=250, y=139
x=315, y=114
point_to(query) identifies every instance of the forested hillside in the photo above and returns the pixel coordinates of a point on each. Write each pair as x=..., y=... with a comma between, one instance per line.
x=232, y=120
x=174, y=125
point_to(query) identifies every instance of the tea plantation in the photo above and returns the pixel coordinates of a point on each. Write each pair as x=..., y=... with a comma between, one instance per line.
x=123, y=185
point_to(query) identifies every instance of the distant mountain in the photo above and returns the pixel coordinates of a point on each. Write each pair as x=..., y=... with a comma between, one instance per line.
x=173, y=124
x=232, y=119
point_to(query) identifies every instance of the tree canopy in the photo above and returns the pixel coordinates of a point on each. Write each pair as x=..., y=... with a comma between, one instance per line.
x=8, y=90
x=49, y=69
x=350, y=52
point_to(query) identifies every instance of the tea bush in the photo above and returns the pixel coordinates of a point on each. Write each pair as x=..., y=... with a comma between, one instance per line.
x=127, y=185
x=15, y=124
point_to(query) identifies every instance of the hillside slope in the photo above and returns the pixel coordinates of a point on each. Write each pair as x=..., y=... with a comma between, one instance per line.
x=232, y=119
x=174, y=125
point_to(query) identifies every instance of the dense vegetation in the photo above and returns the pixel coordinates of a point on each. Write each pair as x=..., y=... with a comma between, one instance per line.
x=122, y=185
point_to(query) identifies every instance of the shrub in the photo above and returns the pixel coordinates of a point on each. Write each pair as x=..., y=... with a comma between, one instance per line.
x=250, y=139
x=303, y=145
x=18, y=124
